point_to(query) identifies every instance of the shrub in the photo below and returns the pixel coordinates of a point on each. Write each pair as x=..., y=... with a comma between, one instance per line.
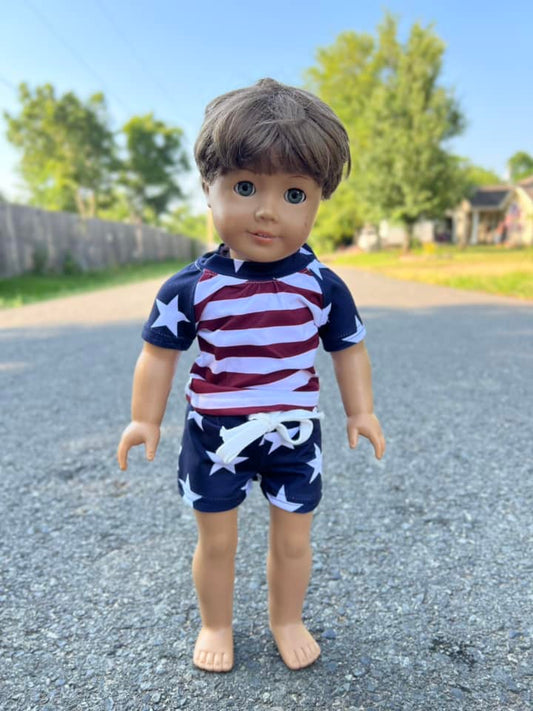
x=39, y=259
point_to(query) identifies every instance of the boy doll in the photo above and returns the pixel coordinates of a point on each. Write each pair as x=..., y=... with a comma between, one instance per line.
x=259, y=305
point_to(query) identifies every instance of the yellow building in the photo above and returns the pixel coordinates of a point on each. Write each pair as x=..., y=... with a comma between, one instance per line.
x=496, y=214
x=524, y=201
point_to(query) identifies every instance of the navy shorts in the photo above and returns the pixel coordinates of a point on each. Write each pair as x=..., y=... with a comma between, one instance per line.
x=289, y=475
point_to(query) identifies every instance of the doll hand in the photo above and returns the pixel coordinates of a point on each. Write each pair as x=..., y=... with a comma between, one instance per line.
x=368, y=426
x=134, y=434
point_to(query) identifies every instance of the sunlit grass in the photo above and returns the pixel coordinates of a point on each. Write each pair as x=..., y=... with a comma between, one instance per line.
x=494, y=270
x=29, y=288
x=490, y=269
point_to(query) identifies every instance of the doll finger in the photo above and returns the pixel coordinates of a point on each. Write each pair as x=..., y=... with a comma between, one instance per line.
x=151, y=447
x=122, y=456
x=379, y=445
x=150, y=452
x=353, y=437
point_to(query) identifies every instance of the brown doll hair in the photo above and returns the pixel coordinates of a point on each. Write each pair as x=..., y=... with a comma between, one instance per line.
x=271, y=127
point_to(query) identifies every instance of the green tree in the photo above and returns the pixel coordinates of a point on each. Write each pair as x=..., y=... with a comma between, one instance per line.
x=68, y=149
x=337, y=219
x=399, y=120
x=155, y=157
x=182, y=222
x=520, y=166
x=469, y=178
x=345, y=76
x=115, y=206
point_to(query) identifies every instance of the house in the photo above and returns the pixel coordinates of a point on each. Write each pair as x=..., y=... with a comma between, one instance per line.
x=479, y=219
x=524, y=203
x=388, y=234
x=495, y=214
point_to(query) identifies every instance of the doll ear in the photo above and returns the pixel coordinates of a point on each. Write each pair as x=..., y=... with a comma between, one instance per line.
x=205, y=188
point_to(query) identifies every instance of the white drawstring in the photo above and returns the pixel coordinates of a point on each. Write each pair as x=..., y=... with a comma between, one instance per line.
x=259, y=424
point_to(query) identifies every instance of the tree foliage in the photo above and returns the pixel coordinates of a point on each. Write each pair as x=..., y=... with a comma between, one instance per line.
x=470, y=177
x=337, y=219
x=155, y=158
x=67, y=146
x=520, y=166
x=182, y=222
x=399, y=120
x=71, y=160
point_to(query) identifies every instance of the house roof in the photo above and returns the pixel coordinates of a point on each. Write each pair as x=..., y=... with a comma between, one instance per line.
x=527, y=185
x=490, y=198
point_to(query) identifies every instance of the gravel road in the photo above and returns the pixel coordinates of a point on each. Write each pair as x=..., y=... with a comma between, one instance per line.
x=422, y=589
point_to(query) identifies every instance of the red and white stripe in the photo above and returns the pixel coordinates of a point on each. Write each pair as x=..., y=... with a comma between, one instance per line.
x=258, y=341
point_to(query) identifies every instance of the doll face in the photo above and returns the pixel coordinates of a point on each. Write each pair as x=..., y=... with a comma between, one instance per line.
x=261, y=217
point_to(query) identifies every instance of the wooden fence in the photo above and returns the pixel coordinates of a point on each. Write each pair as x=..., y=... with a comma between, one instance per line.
x=33, y=240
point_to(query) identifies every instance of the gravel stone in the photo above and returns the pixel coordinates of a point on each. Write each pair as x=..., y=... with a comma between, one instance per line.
x=422, y=562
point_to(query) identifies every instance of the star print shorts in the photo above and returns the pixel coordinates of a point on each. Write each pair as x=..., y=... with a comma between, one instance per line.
x=289, y=475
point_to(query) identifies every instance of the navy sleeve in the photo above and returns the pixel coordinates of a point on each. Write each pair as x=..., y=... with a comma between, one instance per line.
x=343, y=325
x=171, y=323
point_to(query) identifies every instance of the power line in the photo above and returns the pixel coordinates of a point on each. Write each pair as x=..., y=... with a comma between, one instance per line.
x=133, y=52
x=8, y=83
x=75, y=54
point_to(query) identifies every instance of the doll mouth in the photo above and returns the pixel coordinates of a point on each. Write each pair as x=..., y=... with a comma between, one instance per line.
x=263, y=236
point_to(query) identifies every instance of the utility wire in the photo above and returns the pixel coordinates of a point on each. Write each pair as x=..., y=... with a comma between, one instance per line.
x=75, y=54
x=133, y=52
x=9, y=84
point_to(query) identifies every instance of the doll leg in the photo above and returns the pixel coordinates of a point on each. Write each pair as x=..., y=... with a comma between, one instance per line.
x=288, y=571
x=213, y=573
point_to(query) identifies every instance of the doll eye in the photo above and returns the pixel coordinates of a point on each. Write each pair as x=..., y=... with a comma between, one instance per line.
x=295, y=196
x=244, y=188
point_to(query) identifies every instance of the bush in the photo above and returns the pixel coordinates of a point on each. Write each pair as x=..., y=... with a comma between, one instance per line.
x=70, y=266
x=39, y=259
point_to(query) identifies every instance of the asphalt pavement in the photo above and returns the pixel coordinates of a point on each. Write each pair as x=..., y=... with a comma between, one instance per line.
x=422, y=587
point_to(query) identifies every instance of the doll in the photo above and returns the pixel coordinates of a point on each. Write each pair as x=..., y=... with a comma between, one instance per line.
x=259, y=306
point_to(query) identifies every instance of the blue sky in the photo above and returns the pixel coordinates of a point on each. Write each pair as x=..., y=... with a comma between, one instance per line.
x=173, y=57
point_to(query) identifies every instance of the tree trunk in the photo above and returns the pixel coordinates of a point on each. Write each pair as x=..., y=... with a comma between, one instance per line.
x=408, y=237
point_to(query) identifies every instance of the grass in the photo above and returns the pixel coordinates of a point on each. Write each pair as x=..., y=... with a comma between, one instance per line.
x=28, y=288
x=494, y=270
x=490, y=269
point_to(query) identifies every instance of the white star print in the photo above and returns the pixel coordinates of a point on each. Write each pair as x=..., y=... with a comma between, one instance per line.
x=281, y=501
x=237, y=264
x=189, y=496
x=169, y=315
x=315, y=267
x=193, y=415
x=219, y=464
x=305, y=250
x=324, y=315
x=316, y=463
x=355, y=337
x=247, y=487
x=276, y=441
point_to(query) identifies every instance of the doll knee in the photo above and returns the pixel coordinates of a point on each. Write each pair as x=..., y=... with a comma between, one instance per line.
x=218, y=545
x=291, y=547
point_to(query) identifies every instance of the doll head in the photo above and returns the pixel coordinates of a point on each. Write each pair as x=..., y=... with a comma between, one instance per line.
x=273, y=128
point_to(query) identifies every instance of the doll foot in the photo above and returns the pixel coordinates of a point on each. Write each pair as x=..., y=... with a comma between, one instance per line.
x=296, y=645
x=214, y=649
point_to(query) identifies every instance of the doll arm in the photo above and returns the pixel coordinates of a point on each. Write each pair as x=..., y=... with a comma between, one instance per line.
x=354, y=376
x=152, y=382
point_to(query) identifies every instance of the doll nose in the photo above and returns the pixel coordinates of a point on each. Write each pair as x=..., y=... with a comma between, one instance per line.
x=265, y=210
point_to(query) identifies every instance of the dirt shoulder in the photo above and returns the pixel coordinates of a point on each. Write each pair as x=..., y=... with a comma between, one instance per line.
x=133, y=302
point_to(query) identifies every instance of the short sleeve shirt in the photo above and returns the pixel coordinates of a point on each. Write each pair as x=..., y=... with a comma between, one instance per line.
x=258, y=327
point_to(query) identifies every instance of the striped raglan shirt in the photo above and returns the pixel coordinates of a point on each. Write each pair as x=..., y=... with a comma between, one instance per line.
x=258, y=327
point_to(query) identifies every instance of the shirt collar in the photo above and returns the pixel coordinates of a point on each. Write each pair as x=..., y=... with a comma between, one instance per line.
x=220, y=262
